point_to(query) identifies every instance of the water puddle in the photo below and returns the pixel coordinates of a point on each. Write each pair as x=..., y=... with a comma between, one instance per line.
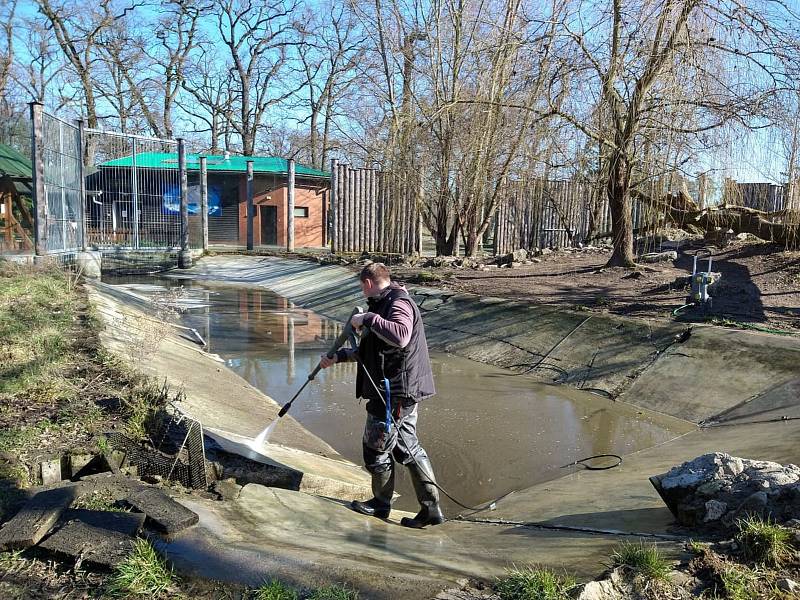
x=488, y=431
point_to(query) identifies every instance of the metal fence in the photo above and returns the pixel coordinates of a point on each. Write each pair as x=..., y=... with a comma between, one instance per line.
x=133, y=189
x=57, y=178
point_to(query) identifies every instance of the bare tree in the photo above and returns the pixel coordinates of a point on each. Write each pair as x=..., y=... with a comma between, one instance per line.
x=666, y=68
x=329, y=50
x=256, y=36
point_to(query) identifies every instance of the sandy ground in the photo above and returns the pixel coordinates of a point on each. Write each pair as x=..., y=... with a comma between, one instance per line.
x=760, y=284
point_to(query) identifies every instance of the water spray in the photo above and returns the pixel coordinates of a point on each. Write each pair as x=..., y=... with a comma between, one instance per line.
x=347, y=334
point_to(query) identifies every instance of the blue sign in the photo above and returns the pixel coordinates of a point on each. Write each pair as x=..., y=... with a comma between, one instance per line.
x=172, y=200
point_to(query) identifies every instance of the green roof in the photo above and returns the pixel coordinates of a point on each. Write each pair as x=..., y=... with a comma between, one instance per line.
x=261, y=164
x=14, y=164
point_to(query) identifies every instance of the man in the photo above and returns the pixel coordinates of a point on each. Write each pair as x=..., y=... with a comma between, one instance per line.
x=393, y=357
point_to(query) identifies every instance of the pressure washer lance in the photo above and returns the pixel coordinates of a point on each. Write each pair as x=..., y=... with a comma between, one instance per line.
x=347, y=334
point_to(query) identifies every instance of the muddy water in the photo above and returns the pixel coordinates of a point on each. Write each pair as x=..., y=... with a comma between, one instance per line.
x=488, y=431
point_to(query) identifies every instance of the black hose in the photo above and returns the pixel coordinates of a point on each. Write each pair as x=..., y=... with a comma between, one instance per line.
x=583, y=461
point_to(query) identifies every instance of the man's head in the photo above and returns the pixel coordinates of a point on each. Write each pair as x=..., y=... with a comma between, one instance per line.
x=374, y=278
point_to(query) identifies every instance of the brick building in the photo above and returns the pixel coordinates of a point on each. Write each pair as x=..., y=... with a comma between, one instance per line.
x=227, y=196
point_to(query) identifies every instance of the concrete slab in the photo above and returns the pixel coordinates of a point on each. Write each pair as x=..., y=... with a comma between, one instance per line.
x=215, y=395
x=309, y=541
x=342, y=480
x=94, y=545
x=623, y=499
x=127, y=523
x=38, y=516
x=645, y=363
x=169, y=516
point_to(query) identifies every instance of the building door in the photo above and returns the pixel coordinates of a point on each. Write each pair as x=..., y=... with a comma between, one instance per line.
x=269, y=225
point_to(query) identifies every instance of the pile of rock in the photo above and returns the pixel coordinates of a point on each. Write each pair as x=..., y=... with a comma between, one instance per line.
x=715, y=490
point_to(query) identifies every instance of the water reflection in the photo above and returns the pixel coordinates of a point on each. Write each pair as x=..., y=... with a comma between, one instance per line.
x=487, y=434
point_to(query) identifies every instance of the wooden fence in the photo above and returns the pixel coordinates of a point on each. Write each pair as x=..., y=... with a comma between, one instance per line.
x=374, y=211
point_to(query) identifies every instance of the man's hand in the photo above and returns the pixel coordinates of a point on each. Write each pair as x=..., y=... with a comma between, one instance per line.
x=326, y=362
x=357, y=321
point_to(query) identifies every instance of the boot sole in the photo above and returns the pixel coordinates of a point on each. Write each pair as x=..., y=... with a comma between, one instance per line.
x=411, y=523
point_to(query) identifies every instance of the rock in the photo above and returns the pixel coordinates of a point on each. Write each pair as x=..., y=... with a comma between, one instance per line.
x=536, y=260
x=788, y=585
x=227, y=489
x=681, y=579
x=51, y=471
x=714, y=510
x=599, y=590
x=545, y=251
x=654, y=257
x=716, y=489
x=519, y=255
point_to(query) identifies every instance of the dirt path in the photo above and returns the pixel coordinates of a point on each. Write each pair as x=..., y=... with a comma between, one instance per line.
x=760, y=284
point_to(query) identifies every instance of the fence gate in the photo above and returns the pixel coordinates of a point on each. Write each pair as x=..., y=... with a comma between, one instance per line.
x=374, y=211
x=57, y=179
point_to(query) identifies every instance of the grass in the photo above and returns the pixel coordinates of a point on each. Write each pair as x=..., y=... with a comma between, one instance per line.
x=334, y=592
x=532, y=583
x=275, y=590
x=143, y=573
x=740, y=583
x=641, y=558
x=764, y=542
x=99, y=500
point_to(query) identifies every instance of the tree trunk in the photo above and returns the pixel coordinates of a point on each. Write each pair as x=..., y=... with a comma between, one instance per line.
x=619, y=200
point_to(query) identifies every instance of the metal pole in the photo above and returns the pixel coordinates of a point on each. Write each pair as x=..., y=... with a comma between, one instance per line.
x=290, y=209
x=135, y=195
x=184, y=258
x=249, y=204
x=334, y=211
x=39, y=190
x=82, y=187
x=204, y=200
x=63, y=186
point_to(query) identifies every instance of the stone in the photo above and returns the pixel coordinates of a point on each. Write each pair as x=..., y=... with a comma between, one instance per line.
x=714, y=510
x=715, y=489
x=90, y=544
x=654, y=257
x=77, y=462
x=599, y=590
x=37, y=517
x=227, y=489
x=51, y=471
x=519, y=255
x=790, y=586
x=163, y=511
x=127, y=523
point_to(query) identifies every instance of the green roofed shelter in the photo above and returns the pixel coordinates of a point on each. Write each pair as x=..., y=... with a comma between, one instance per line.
x=272, y=165
x=14, y=164
x=16, y=221
x=116, y=195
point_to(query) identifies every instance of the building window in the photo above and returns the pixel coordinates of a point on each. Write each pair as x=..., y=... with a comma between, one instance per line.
x=301, y=211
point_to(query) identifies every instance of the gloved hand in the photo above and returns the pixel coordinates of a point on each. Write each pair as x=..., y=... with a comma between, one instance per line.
x=326, y=362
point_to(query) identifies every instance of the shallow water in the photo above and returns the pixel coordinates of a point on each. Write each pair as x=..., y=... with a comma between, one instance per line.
x=488, y=431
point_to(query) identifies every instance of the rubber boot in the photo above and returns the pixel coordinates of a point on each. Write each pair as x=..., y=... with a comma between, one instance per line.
x=427, y=495
x=382, y=491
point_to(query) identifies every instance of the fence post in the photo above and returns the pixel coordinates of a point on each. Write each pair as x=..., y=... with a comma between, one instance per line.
x=135, y=192
x=250, y=205
x=39, y=190
x=290, y=208
x=204, y=200
x=81, y=186
x=334, y=211
x=185, y=257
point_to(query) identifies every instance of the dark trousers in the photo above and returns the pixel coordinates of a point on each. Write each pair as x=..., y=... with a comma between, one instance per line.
x=382, y=448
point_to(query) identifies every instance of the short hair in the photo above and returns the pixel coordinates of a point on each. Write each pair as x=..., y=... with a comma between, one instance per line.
x=376, y=272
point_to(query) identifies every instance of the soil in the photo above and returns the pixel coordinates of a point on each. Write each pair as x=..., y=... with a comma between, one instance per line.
x=760, y=285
